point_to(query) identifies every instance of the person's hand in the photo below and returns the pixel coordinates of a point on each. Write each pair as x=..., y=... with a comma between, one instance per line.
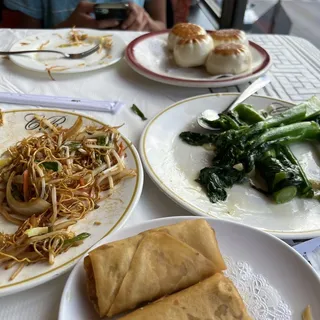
x=138, y=19
x=81, y=18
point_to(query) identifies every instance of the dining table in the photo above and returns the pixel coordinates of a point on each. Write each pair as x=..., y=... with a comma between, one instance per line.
x=295, y=75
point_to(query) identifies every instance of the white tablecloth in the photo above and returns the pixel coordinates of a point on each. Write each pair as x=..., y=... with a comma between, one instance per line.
x=119, y=82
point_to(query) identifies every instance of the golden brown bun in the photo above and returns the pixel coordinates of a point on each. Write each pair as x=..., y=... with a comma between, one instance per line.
x=229, y=58
x=193, y=51
x=183, y=31
x=229, y=36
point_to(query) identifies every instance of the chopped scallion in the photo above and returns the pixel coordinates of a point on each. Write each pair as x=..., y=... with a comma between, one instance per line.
x=77, y=238
x=51, y=165
x=138, y=112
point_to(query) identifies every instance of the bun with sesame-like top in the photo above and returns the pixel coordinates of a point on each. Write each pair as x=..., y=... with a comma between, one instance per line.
x=229, y=58
x=192, y=52
x=229, y=36
x=183, y=31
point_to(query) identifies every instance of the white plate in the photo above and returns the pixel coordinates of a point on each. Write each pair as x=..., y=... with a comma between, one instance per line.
x=148, y=55
x=112, y=213
x=42, y=61
x=174, y=165
x=273, y=279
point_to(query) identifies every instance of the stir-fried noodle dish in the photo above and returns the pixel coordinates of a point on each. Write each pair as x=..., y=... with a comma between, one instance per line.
x=78, y=37
x=51, y=180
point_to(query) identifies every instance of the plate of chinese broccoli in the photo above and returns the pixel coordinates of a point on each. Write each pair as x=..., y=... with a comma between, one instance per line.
x=260, y=167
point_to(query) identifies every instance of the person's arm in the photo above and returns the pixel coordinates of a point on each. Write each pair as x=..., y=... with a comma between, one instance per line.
x=81, y=17
x=30, y=12
x=32, y=15
x=153, y=18
x=157, y=10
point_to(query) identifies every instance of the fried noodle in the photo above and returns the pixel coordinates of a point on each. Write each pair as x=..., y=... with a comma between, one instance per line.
x=51, y=180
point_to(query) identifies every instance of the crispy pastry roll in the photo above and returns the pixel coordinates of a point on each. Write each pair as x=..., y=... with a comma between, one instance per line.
x=124, y=274
x=215, y=298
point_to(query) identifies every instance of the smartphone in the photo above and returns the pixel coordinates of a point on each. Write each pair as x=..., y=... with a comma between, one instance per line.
x=117, y=11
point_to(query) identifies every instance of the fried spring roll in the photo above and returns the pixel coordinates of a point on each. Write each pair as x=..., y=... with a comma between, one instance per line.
x=124, y=274
x=215, y=298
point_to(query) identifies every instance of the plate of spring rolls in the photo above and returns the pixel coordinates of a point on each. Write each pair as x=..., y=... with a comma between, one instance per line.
x=191, y=268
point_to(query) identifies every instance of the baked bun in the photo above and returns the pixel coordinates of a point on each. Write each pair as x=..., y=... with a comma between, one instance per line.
x=229, y=36
x=183, y=31
x=232, y=58
x=192, y=52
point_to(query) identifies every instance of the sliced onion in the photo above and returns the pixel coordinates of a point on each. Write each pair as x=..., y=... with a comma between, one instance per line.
x=35, y=206
x=9, y=217
x=46, y=122
x=74, y=129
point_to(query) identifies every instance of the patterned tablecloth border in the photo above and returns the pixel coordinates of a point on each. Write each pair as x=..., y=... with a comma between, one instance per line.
x=295, y=71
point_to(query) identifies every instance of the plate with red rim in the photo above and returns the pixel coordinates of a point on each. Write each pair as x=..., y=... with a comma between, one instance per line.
x=149, y=56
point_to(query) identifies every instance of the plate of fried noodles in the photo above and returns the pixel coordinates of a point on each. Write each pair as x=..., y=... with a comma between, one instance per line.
x=66, y=181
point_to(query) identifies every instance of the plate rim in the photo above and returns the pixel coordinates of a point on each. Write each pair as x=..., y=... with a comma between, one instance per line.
x=182, y=203
x=15, y=59
x=142, y=70
x=47, y=276
x=176, y=219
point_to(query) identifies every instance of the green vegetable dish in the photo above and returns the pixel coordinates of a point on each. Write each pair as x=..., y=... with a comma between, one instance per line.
x=254, y=146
